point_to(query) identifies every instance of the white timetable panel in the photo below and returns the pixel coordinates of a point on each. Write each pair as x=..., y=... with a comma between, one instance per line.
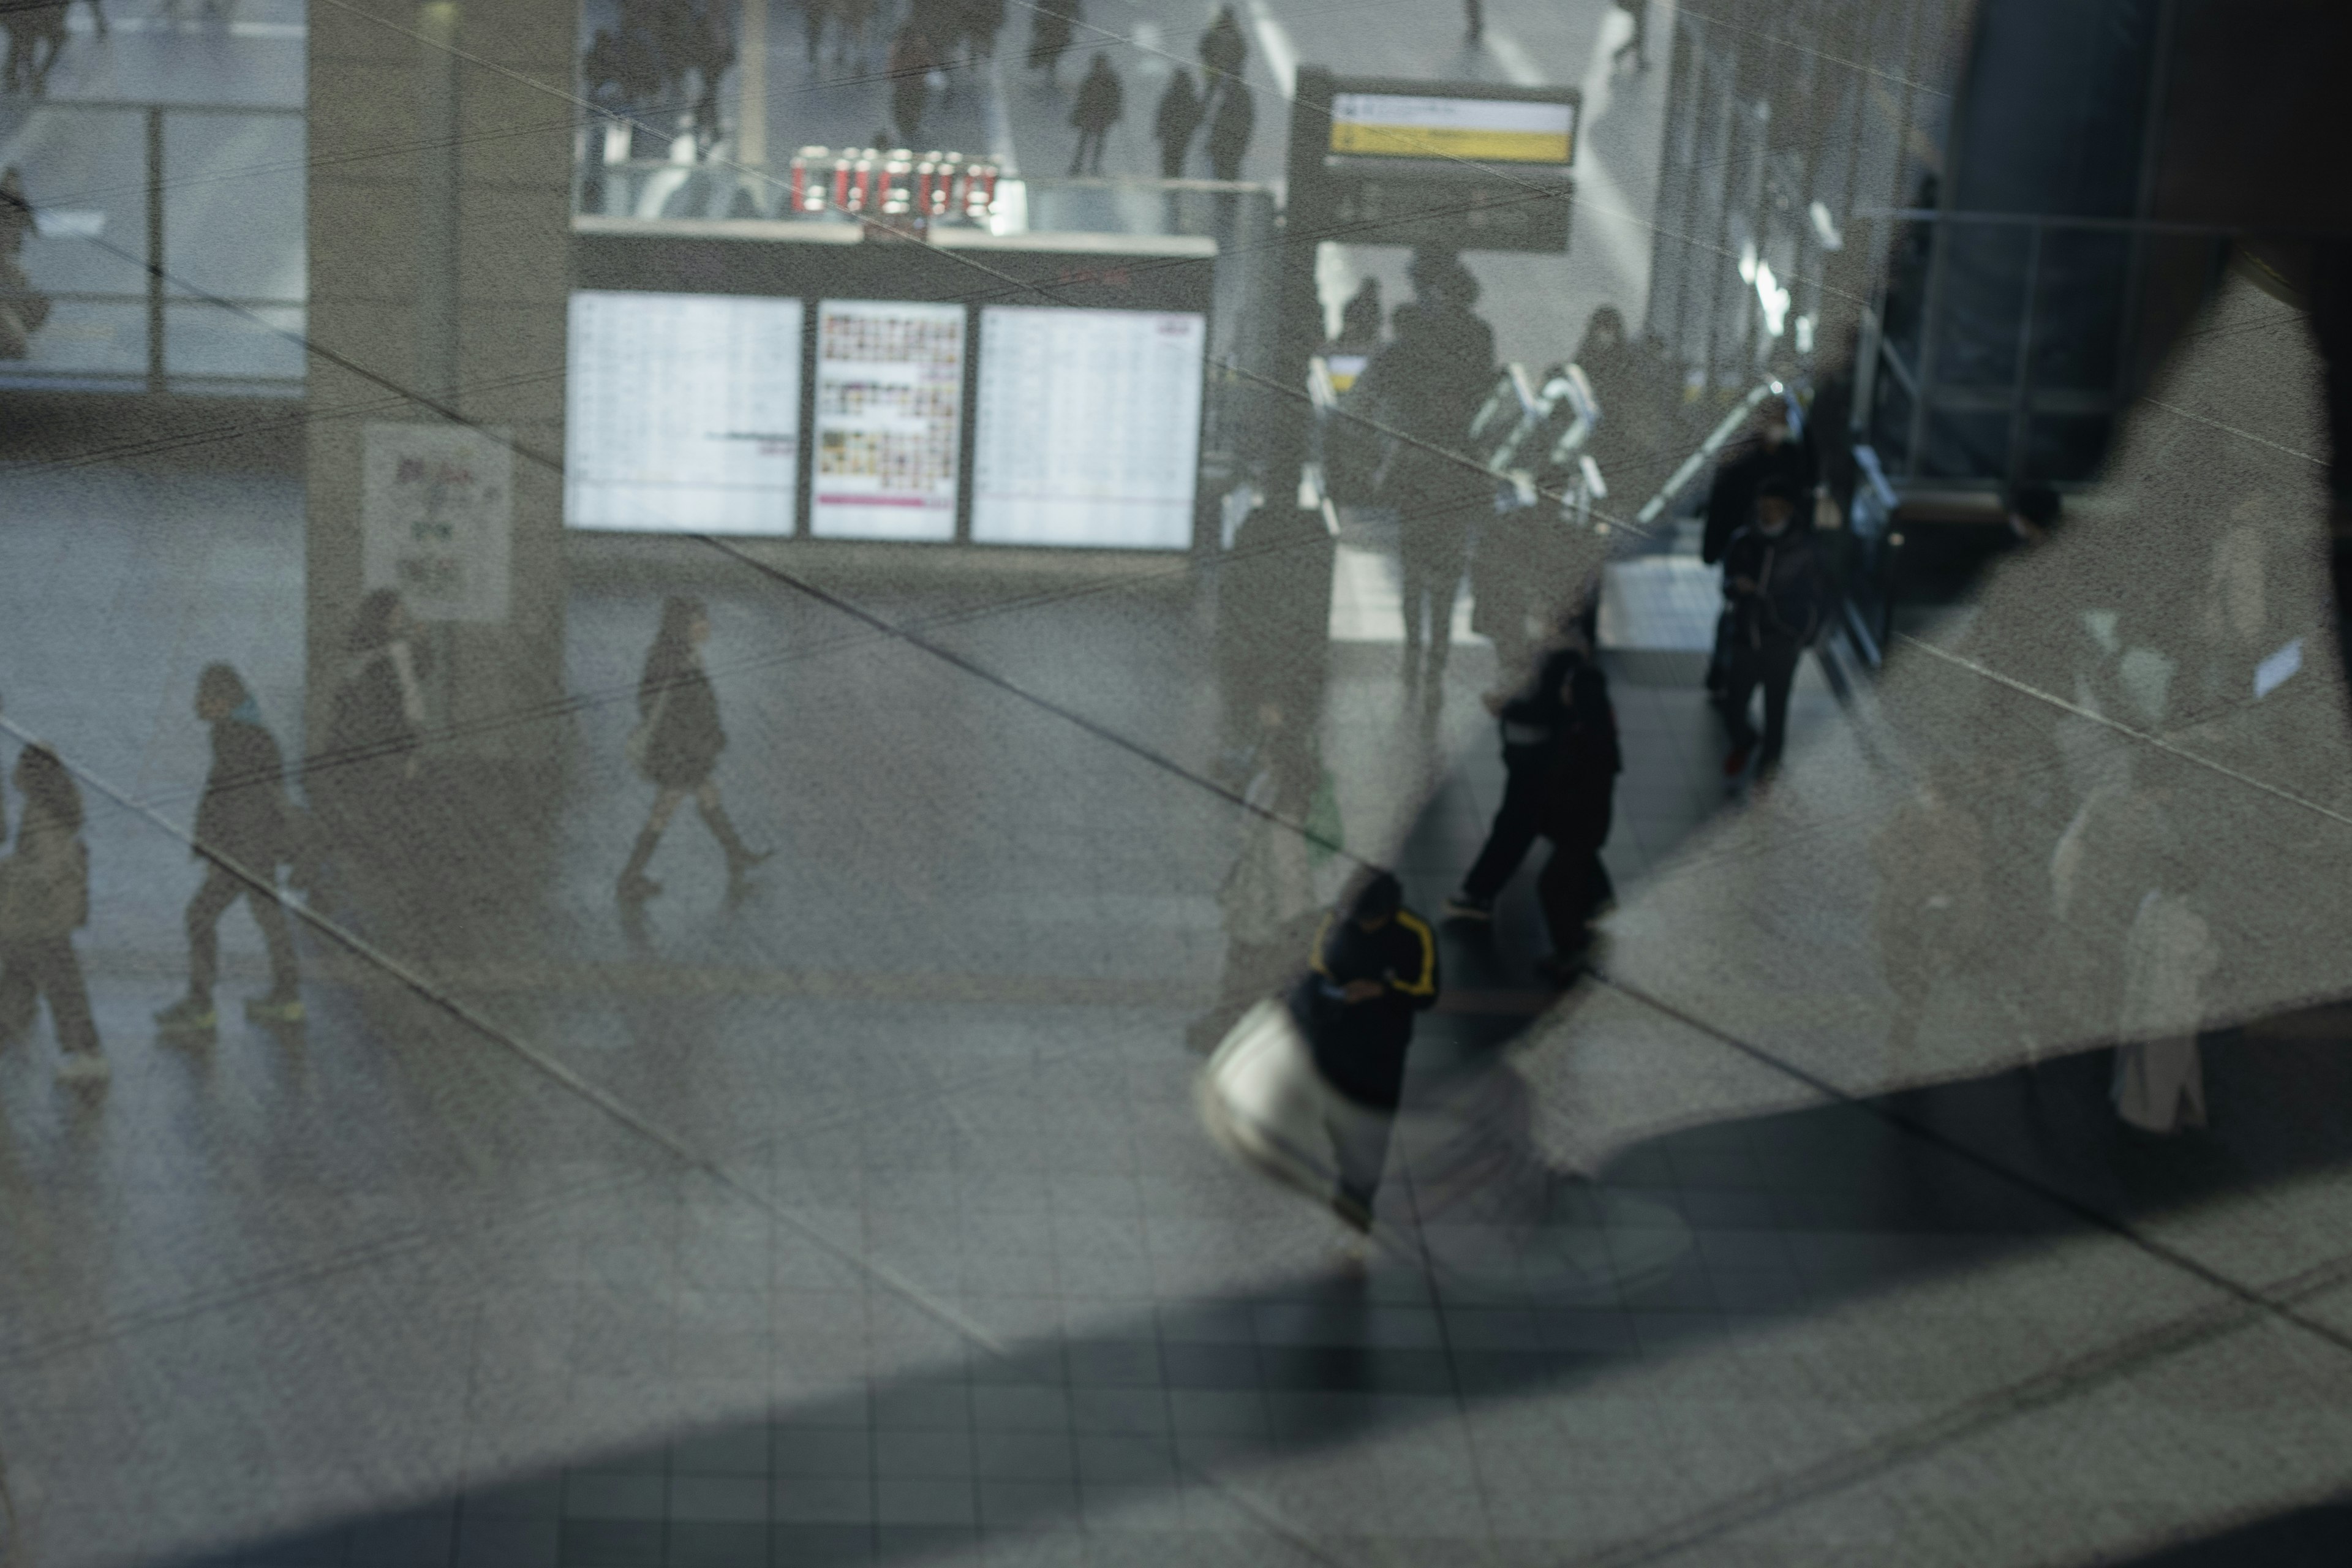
x=683, y=412
x=889, y=397
x=1089, y=427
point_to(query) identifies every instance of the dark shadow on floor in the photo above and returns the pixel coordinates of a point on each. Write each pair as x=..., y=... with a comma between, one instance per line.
x=1840, y=1202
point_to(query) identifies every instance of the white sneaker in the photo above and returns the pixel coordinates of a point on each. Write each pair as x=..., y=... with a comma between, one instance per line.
x=84, y=1066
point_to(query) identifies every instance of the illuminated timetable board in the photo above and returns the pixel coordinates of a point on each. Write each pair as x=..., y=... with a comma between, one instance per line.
x=1475, y=130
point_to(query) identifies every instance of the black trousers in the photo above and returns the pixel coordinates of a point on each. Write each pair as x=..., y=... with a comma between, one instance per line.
x=1090, y=150
x=47, y=966
x=1431, y=558
x=1514, y=830
x=1772, y=666
x=221, y=889
x=1574, y=883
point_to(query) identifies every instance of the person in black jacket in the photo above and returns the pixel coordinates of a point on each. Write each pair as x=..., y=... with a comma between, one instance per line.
x=242, y=837
x=1771, y=451
x=1374, y=965
x=1577, y=804
x=1101, y=103
x=1176, y=122
x=676, y=745
x=1777, y=600
x=1531, y=721
x=1426, y=387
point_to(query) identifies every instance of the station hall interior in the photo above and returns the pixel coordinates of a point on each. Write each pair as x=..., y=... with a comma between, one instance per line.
x=1147, y=784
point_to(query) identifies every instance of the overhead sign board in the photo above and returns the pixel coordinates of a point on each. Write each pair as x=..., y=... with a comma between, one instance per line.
x=1478, y=130
x=1458, y=165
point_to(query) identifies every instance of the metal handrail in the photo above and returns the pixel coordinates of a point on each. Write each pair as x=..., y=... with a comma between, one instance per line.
x=157, y=295
x=1679, y=480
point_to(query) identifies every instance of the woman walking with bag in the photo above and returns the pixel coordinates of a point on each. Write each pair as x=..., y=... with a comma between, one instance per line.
x=677, y=745
x=44, y=898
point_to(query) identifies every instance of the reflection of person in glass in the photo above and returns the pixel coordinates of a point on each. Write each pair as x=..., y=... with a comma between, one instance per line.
x=676, y=746
x=1374, y=965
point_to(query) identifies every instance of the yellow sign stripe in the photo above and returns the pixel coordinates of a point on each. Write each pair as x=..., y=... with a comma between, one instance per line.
x=1448, y=142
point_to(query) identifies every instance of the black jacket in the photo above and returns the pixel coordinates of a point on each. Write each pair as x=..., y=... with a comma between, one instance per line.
x=1791, y=598
x=1731, y=500
x=1360, y=1048
x=1101, y=102
x=242, y=817
x=1581, y=764
x=686, y=741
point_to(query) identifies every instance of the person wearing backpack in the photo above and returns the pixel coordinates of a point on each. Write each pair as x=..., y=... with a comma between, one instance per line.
x=43, y=900
x=242, y=837
x=675, y=746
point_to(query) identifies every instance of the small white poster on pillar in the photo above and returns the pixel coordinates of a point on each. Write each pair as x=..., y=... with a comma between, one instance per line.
x=437, y=516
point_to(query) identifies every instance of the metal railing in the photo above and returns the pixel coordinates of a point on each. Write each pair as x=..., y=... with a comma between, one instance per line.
x=2007, y=417
x=79, y=190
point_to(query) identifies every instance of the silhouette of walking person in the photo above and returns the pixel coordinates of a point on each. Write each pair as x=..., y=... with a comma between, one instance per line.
x=242, y=837
x=44, y=898
x=677, y=745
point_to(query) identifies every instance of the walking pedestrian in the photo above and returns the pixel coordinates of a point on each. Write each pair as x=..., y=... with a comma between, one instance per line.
x=1372, y=967
x=1179, y=117
x=1474, y=17
x=1224, y=52
x=1051, y=26
x=1770, y=450
x=1229, y=132
x=43, y=900
x=982, y=21
x=242, y=838
x=1530, y=721
x=912, y=60
x=677, y=745
x=1580, y=788
x=1772, y=582
x=367, y=779
x=1101, y=103
x=1637, y=43
x=1426, y=386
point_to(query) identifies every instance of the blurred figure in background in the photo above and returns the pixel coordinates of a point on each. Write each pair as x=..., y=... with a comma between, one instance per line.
x=43, y=900
x=1359, y=319
x=1426, y=386
x=1175, y=123
x=980, y=22
x=1051, y=26
x=1229, y=132
x=1224, y=52
x=242, y=835
x=1637, y=43
x=1373, y=967
x=912, y=60
x=677, y=745
x=368, y=779
x=1101, y=103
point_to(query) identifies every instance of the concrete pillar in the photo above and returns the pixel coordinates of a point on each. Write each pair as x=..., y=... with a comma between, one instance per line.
x=440, y=193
